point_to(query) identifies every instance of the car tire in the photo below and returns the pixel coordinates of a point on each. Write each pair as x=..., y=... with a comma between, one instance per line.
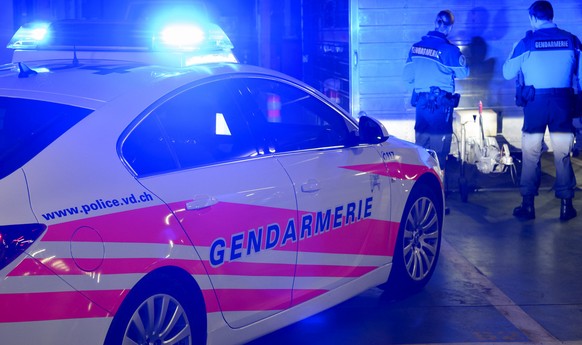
x=158, y=312
x=418, y=243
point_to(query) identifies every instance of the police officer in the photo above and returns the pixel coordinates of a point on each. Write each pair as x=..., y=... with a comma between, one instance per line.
x=548, y=58
x=430, y=71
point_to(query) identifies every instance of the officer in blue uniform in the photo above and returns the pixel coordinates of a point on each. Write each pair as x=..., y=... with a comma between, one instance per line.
x=430, y=71
x=548, y=58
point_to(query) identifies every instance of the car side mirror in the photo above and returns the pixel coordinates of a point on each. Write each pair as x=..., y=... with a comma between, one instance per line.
x=372, y=131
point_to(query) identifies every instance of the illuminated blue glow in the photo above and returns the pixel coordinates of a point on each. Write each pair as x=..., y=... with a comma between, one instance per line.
x=184, y=42
x=209, y=58
x=188, y=36
x=185, y=36
x=38, y=34
x=30, y=35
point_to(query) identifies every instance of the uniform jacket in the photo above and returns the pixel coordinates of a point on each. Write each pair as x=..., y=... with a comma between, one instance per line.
x=547, y=57
x=434, y=61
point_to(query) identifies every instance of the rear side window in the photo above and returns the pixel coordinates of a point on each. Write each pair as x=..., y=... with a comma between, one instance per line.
x=28, y=126
x=201, y=126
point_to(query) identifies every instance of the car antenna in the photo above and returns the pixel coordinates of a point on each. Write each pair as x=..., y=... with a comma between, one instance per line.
x=75, y=60
x=25, y=71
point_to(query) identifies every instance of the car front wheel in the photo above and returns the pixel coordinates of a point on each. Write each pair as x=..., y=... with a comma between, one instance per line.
x=418, y=243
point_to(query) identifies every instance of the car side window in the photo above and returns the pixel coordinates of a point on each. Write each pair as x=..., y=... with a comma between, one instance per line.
x=28, y=126
x=295, y=119
x=200, y=126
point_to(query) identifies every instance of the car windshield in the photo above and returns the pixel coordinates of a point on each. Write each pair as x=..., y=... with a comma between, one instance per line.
x=28, y=126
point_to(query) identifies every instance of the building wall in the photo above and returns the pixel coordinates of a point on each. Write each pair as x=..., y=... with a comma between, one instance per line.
x=485, y=31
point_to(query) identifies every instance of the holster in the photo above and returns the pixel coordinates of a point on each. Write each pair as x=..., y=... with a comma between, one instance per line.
x=444, y=99
x=524, y=94
x=437, y=99
x=454, y=99
x=578, y=105
x=414, y=98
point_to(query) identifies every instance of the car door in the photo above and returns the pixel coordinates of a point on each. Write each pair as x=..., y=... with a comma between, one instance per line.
x=196, y=152
x=342, y=189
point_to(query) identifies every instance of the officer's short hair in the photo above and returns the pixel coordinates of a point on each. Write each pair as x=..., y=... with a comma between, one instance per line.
x=542, y=10
x=445, y=18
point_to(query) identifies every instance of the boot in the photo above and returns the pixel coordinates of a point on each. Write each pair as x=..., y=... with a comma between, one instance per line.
x=567, y=211
x=526, y=210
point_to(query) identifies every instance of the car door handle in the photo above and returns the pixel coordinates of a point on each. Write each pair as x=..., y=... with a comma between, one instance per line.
x=312, y=185
x=200, y=202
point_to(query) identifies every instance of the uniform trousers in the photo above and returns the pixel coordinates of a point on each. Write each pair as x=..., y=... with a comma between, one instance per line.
x=434, y=128
x=554, y=112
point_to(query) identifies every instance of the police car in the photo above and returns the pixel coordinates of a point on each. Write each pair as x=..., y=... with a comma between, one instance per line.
x=164, y=193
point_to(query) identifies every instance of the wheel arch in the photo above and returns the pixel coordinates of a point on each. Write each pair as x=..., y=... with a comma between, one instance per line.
x=433, y=183
x=395, y=286
x=175, y=277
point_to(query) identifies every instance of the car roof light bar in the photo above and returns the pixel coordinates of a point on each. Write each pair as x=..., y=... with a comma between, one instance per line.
x=194, y=42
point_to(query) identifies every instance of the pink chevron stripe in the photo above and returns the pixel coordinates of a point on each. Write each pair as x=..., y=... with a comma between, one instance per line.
x=373, y=168
x=237, y=268
x=60, y=266
x=67, y=267
x=52, y=306
x=332, y=271
x=31, y=267
x=407, y=171
x=286, y=270
x=70, y=305
x=255, y=299
x=146, y=224
x=210, y=301
x=393, y=169
x=300, y=296
x=143, y=225
x=367, y=237
x=217, y=224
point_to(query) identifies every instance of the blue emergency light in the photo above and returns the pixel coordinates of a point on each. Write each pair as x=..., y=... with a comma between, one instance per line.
x=191, y=37
x=29, y=36
x=188, y=43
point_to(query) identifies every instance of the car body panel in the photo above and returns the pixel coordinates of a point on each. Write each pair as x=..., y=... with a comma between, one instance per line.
x=251, y=272
x=342, y=231
x=242, y=228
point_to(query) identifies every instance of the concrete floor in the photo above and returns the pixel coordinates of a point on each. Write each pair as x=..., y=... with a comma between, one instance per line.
x=499, y=280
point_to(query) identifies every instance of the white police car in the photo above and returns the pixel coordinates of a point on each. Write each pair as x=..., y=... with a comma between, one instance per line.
x=212, y=202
